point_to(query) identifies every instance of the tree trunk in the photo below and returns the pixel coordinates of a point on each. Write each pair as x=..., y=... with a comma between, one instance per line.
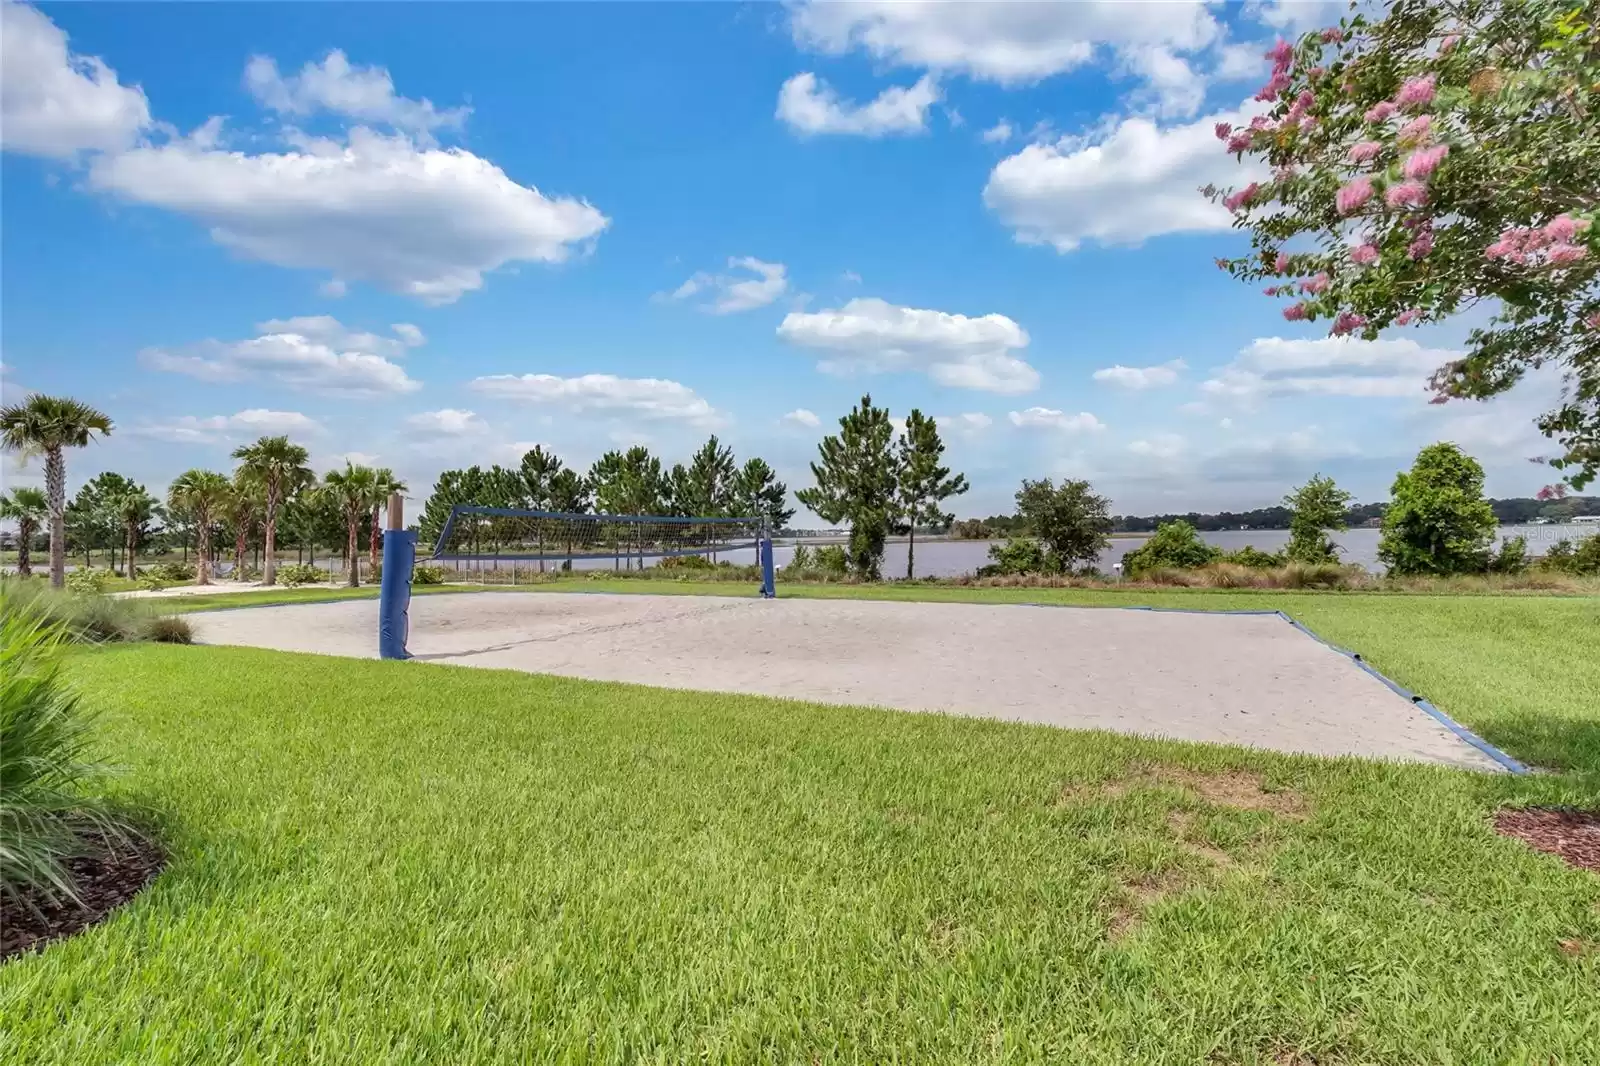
x=241, y=538
x=202, y=552
x=352, y=555
x=911, y=553
x=55, y=486
x=25, y=531
x=131, y=570
x=269, y=566
x=373, y=538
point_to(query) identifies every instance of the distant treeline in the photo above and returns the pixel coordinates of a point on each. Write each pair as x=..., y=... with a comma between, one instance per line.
x=1512, y=512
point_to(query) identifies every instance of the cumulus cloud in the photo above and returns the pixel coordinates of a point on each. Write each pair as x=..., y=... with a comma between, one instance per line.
x=759, y=285
x=447, y=422
x=999, y=133
x=313, y=353
x=1161, y=446
x=1137, y=180
x=1326, y=366
x=366, y=94
x=1047, y=418
x=54, y=102
x=222, y=429
x=801, y=417
x=1172, y=87
x=869, y=335
x=967, y=425
x=1141, y=377
x=653, y=398
x=1012, y=44
x=415, y=219
x=808, y=105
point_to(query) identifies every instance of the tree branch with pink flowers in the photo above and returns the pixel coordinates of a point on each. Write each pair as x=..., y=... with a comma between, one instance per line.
x=1426, y=161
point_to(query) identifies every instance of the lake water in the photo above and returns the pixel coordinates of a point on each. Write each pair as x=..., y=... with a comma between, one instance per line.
x=951, y=558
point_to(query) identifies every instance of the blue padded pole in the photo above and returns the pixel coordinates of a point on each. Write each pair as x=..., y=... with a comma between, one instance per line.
x=394, y=596
x=769, y=587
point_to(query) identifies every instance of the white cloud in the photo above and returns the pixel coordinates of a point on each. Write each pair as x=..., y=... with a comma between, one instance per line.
x=1240, y=62
x=54, y=102
x=999, y=133
x=312, y=353
x=850, y=277
x=1046, y=418
x=365, y=94
x=1293, y=17
x=447, y=422
x=733, y=293
x=801, y=417
x=221, y=429
x=1138, y=180
x=409, y=335
x=1162, y=446
x=653, y=398
x=872, y=336
x=1173, y=88
x=811, y=106
x=423, y=221
x=1327, y=366
x=1141, y=377
x=1012, y=44
x=967, y=425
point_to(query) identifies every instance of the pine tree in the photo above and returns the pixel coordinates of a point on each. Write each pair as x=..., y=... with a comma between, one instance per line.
x=856, y=484
x=923, y=483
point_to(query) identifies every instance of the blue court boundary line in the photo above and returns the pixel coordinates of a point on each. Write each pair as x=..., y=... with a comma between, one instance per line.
x=1505, y=761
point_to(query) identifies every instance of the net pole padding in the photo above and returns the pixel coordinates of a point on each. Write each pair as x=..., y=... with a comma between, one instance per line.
x=394, y=592
x=769, y=584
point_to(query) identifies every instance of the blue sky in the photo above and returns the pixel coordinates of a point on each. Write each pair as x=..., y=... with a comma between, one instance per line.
x=430, y=235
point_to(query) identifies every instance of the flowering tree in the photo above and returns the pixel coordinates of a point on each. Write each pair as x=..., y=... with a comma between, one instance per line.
x=1442, y=156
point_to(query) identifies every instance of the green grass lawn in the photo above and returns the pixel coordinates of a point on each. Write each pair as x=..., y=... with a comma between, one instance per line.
x=403, y=863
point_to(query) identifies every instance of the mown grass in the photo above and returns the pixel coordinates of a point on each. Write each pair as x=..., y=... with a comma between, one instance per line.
x=402, y=863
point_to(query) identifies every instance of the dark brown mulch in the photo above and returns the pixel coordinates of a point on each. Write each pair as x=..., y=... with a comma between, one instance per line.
x=106, y=880
x=1567, y=833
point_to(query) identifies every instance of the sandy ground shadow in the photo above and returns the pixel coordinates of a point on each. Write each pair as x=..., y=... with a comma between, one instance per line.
x=1237, y=679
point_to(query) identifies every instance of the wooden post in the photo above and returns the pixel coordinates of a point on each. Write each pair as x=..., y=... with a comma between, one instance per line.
x=397, y=511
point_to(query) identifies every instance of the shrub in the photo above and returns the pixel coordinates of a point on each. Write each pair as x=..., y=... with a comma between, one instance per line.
x=686, y=562
x=46, y=815
x=1019, y=555
x=246, y=573
x=1511, y=557
x=172, y=573
x=151, y=581
x=1175, y=545
x=425, y=574
x=300, y=574
x=1254, y=558
x=169, y=629
x=803, y=559
x=88, y=580
x=1438, y=521
x=831, y=559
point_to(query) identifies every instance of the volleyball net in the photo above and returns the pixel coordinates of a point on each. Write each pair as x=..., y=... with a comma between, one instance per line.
x=496, y=536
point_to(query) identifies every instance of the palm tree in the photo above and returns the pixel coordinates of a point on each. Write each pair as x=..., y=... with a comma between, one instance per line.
x=385, y=484
x=206, y=495
x=242, y=509
x=27, y=507
x=351, y=490
x=133, y=509
x=48, y=425
x=280, y=468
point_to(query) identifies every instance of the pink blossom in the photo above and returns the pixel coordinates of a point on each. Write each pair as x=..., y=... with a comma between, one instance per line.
x=1562, y=254
x=1348, y=322
x=1419, y=248
x=1425, y=161
x=1242, y=197
x=1315, y=286
x=1286, y=172
x=1239, y=142
x=1407, y=192
x=1295, y=312
x=1353, y=195
x=1332, y=35
x=1500, y=249
x=1450, y=41
x=1273, y=87
x=1222, y=130
x=1317, y=73
x=1561, y=229
x=1405, y=318
x=1379, y=112
x=1281, y=264
x=1364, y=254
x=1281, y=54
x=1308, y=123
x=1593, y=321
x=1261, y=122
x=1418, y=92
x=1416, y=131
x=1270, y=290
x=1365, y=151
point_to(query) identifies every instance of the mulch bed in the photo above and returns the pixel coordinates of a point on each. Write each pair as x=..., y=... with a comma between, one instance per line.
x=106, y=880
x=1569, y=834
